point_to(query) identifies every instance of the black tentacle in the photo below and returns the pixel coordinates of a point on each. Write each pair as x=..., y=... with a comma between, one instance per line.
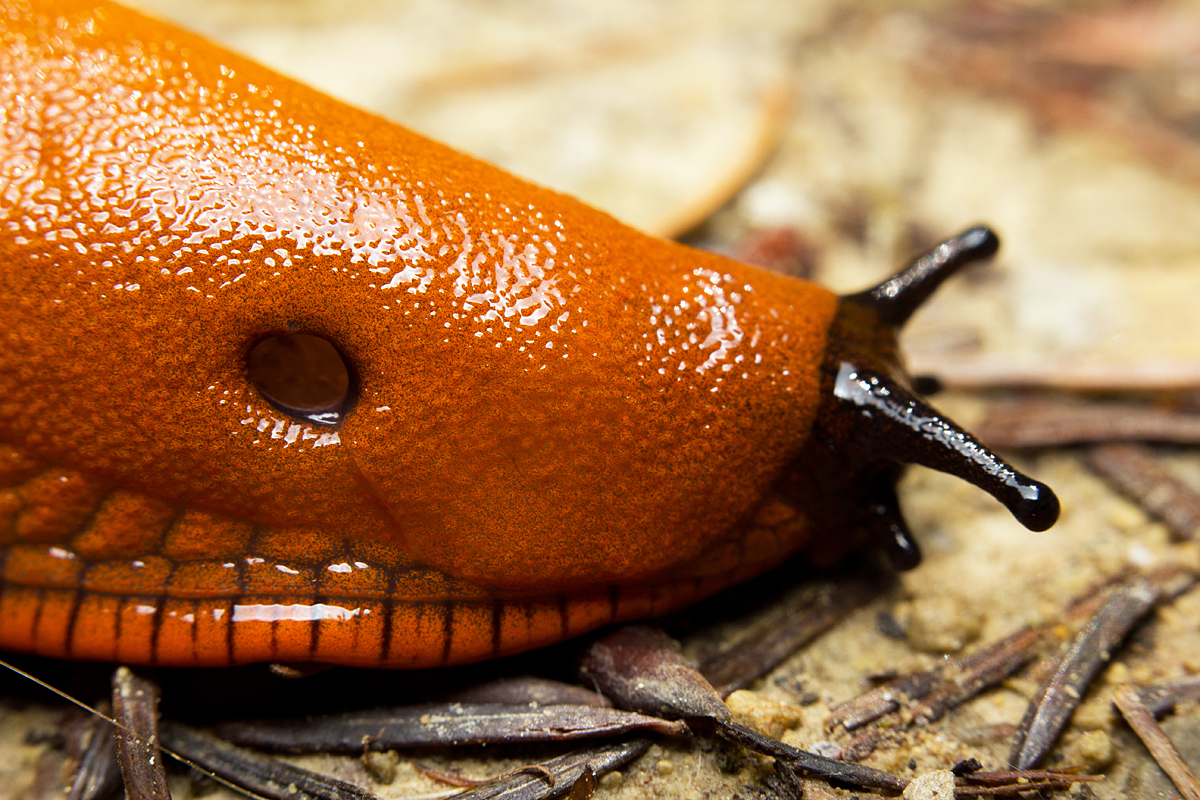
x=899, y=296
x=916, y=433
x=870, y=422
x=885, y=524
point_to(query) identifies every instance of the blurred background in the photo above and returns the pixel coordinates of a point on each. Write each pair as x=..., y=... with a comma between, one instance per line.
x=833, y=140
x=869, y=129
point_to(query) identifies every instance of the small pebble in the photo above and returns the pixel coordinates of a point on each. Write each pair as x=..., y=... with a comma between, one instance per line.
x=942, y=624
x=1143, y=674
x=769, y=716
x=887, y=625
x=938, y=785
x=664, y=768
x=611, y=780
x=814, y=790
x=1094, y=750
x=1126, y=516
x=826, y=748
x=381, y=766
x=1097, y=714
x=1139, y=555
x=1117, y=673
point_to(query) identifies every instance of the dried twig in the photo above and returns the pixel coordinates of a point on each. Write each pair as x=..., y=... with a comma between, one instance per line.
x=640, y=668
x=565, y=770
x=882, y=700
x=947, y=686
x=968, y=676
x=454, y=779
x=446, y=777
x=982, y=374
x=99, y=772
x=135, y=706
x=1056, y=700
x=800, y=619
x=265, y=776
x=1129, y=701
x=841, y=772
x=1027, y=55
x=943, y=688
x=1021, y=785
x=1133, y=470
x=977, y=783
x=861, y=746
x=1049, y=423
x=1162, y=697
x=440, y=724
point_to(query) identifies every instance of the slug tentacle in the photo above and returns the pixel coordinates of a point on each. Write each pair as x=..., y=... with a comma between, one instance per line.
x=870, y=421
x=899, y=296
x=921, y=435
x=885, y=523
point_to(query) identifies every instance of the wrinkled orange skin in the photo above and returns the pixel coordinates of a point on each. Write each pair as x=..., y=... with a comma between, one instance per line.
x=559, y=422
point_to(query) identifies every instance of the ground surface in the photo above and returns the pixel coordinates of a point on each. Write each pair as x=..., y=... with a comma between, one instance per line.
x=655, y=111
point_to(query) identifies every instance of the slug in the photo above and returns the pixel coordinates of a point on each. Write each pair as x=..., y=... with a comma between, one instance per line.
x=283, y=381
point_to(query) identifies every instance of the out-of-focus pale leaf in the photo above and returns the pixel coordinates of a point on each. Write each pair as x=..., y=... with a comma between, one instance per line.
x=657, y=113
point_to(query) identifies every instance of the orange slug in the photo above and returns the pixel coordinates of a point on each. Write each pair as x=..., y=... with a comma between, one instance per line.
x=283, y=381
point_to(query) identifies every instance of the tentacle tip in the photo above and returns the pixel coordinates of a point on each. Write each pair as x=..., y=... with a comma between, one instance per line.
x=1036, y=506
x=981, y=241
x=901, y=549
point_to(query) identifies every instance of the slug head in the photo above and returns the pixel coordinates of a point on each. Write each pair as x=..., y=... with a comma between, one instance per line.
x=870, y=420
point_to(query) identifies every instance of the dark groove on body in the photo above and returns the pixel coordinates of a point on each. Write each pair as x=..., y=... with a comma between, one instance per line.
x=497, y=619
x=314, y=628
x=389, y=608
x=564, y=616
x=122, y=599
x=72, y=618
x=273, y=627
x=37, y=616
x=160, y=604
x=447, y=612
x=229, y=637
x=159, y=609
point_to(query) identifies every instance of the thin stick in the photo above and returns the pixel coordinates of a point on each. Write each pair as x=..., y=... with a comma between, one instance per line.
x=1129, y=701
x=989, y=374
x=1055, y=702
x=1133, y=470
x=1050, y=423
x=805, y=615
x=126, y=730
x=135, y=703
x=1163, y=697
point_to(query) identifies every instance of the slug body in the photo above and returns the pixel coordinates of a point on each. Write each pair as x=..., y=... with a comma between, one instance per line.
x=552, y=421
